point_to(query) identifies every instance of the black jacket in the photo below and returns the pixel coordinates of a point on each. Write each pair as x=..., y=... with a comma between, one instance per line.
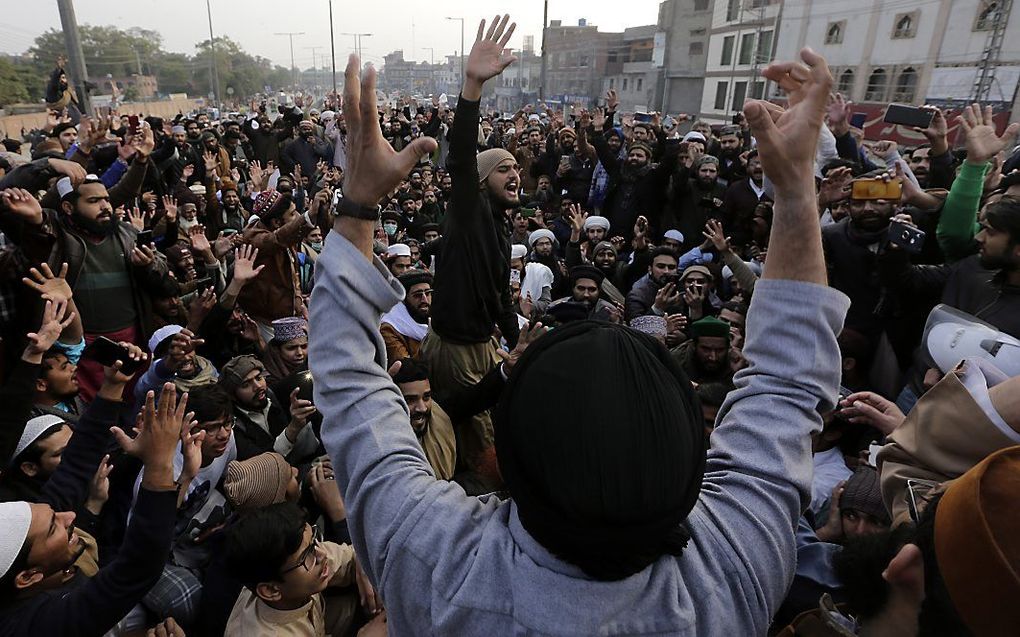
x=472, y=281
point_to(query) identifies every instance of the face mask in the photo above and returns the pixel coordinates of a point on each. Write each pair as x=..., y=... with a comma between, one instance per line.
x=317, y=246
x=390, y=228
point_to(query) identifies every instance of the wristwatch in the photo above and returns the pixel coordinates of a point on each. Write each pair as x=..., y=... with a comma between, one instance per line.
x=348, y=208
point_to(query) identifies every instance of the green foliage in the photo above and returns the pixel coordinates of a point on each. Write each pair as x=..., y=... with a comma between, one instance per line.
x=119, y=52
x=15, y=83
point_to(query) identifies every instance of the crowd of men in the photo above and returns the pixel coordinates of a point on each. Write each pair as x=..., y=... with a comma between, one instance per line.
x=571, y=371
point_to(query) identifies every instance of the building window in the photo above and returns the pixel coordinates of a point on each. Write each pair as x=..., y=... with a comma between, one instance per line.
x=701, y=5
x=612, y=82
x=625, y=84
x=746, y=48
x=905, y=26
x=696, y=48
x=989, y=13
x=764, y=51
x=732, y=10
x=757, y=91
x=739, y=93
x=834, y=33
x=846, y=82
x=640, y=82
x=727, y=50
x=720, y=96
x=876, y=86
x=906, y=86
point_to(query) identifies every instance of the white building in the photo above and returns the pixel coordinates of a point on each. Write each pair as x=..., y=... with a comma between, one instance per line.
x=911, y=52
x=741, y=43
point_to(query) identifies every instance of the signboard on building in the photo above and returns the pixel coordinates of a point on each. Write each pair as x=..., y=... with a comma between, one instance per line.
x=659, y=49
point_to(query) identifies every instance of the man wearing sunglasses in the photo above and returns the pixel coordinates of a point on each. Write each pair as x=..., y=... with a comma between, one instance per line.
x=285, y=566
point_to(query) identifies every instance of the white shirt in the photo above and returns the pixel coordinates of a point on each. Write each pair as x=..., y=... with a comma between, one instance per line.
x=536, y=278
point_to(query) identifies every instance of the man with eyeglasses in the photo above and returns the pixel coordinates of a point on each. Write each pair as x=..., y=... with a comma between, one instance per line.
x=202, y=509
x=285, y=566
x=404, y=327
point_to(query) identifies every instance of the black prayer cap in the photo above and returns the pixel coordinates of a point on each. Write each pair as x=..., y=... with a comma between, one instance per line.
x=600, y=440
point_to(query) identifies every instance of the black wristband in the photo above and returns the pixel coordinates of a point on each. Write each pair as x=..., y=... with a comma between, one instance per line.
x=348, y=208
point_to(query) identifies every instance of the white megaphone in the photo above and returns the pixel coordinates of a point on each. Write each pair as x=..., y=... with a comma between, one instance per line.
x=952, y=335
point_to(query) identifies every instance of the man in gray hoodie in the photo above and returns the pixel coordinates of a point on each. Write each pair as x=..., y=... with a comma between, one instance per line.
x=614, y=526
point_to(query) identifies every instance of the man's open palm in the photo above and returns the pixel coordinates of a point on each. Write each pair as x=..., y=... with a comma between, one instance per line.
x=486, y=60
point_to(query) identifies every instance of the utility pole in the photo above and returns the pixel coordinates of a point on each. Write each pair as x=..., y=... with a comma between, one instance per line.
x=138, y=60
x=357, y=43
x=214, y=73
x=332, y=45
x=461, y=47
x=75, y=57
x=293, y=69
x=545, y=27
x=315, y=69
x=432, y=68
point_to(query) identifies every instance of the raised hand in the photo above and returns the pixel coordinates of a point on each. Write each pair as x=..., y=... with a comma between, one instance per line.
x=868, y=408
x=612, y=100
x=322, y=484
x=884, y=148
x=181, y=344
x=373, y=167
x=486, y=59
x=136, y=218
x=52, y=287
x=191, y=450
x=20, y=203
x=937, y=132
x=170, y=206
x=112, y=374
x=577, y=219
x=835, y=187
x=244, y=263
x=53, y=323
x=187, y=172
x=99, y=487
x=837, y=115
x=159, y=431
x=300, y=411
x=143, y=256
x=211, y=162
x=714, y=233
x=787, y=138
x=666, y=297
x=981, y=141
x=199, y=242
x=529, y=334
x=145, y=141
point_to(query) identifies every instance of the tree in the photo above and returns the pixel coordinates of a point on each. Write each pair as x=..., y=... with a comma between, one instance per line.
x=15, y=80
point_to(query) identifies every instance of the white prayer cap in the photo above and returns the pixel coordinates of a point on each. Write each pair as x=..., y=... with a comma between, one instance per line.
x=541, y=233
x=518, y=251
x=675, y=235
x=399, y=250
x=64, y=187
x=35, y=428
x=596, y=221
x=162, y=334
x=694, y=135
x=15, y=518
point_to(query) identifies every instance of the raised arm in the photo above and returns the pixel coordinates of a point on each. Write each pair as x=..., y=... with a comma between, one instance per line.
x=382, y=471
x=758, y=473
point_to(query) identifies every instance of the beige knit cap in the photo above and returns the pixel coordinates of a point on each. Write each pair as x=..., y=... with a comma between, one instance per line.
x=258, y=481
x=489, y=159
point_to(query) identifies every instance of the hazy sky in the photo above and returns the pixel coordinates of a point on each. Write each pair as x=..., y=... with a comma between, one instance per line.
x=252, y=23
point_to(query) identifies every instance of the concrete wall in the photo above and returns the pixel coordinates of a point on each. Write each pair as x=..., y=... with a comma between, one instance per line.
x=12, y=124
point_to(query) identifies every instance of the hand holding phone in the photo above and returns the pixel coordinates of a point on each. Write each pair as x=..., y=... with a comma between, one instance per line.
x=107, y=353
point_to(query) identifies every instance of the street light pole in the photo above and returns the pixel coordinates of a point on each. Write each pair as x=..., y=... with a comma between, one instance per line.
x=75, y=56
x=315, y=69
x=332, y=45
x=290, y=35
x=357, y=41
x=461, y=47
x=214, y=74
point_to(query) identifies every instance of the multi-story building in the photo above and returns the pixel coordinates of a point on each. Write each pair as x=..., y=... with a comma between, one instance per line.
x=519, y=84
x=945, y=52
x=741, y=43
x=420, y=78
x=684, y=27
x=576, y=60
x=635, y=75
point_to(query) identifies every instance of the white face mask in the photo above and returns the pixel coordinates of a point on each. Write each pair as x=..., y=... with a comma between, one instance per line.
x=390, y=228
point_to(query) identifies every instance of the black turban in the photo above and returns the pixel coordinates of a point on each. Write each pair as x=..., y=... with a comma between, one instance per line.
x=586, y=271
x=600, y=439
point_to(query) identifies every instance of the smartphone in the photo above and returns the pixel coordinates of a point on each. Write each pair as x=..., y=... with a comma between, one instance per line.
x=527, y=213
x=144, y=238
x=228, y=232
x=201, y=285
x=876, y=189
x=132, y=125
x=909, y=238
x=908, y=115
x=107, y=352
x=857, y=120
x=642, y=118
x=918, y=496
